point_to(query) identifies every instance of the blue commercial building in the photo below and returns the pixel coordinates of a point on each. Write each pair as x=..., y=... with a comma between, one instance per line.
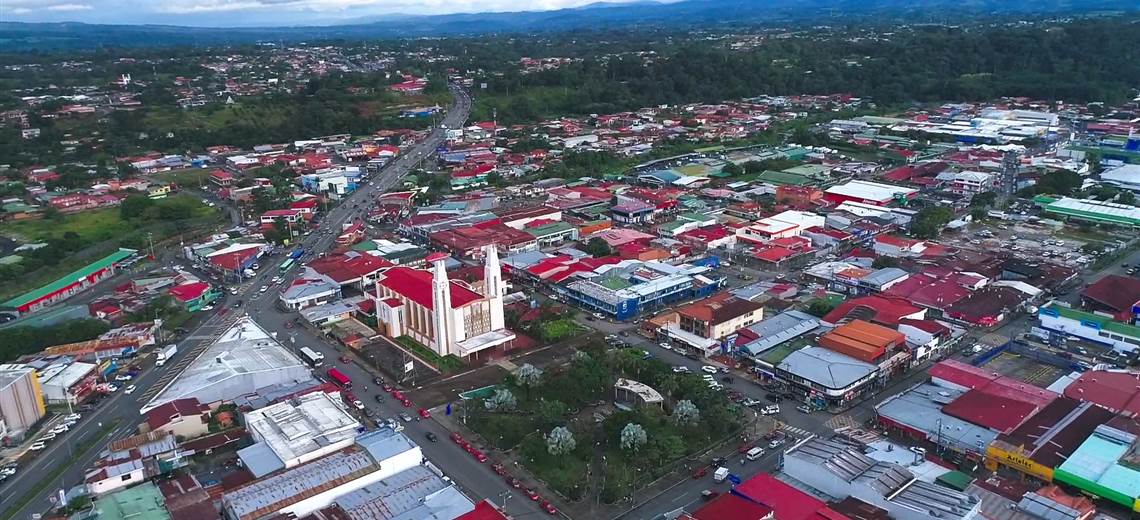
x=631, y=287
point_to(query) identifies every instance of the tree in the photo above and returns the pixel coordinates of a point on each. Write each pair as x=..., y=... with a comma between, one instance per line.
x=580, y=357
x=882, y=262
x=134, y=206
x=929, y=221
x=686, y=413
x=983, y=200
x=529, y=377
x=633, y=437
x=550, y=411
x=560, y=441
x=732, y=169
x=597, y=247
x=1126, y=197
x=819, y=307
x=501, y=401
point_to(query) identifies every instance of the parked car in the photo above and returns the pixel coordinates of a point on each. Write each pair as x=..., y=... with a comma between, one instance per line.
x=47, y=436
x=549, y=508
x=498, y=469
x=513, y=482
x=455, y=436
x=431, y=437
x=406, y=403
x=130, y=389
x=37, y=446
x=424, y=413
x=406, y=417
x=709, y=369
x=804, y=408
x=123, y=377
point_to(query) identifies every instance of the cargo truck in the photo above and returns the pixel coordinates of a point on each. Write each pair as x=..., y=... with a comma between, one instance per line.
x=165, y=354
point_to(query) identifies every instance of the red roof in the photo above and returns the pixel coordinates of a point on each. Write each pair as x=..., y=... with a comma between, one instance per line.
x=1117, y=391
x=998, y=413
x=484, y=510
x=415, y=285
x=992, y=383
x=788, y=502
x=233, y=261
x=730, y=506
x=189, y=291
x=1117, y=292
x=706, y=234
x=928, y=291
x=345, y=267
x=161, y=415
x=887, y=310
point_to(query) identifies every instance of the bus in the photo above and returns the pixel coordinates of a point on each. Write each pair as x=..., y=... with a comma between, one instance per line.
x=339, y=378
x=312, y=357
x=285, y=266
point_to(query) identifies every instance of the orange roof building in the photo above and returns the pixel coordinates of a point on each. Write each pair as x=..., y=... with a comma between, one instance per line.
x=862, y=340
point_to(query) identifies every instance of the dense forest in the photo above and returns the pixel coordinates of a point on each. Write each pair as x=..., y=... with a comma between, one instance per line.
x=1069, y=61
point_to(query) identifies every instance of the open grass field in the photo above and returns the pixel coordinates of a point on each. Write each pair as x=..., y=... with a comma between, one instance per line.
x=97, y=225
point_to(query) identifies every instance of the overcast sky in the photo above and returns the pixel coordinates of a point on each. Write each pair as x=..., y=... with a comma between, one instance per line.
x=231, y=13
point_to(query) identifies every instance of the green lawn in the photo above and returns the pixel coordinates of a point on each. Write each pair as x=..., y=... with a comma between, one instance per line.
x=97, y=225
x=445, y=364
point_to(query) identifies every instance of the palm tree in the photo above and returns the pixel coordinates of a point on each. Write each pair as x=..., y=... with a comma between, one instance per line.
x=503, y=400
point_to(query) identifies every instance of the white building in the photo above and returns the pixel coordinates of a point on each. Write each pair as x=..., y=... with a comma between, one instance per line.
x=840, y=470
x=1125, y=176
x=447, y=316
x=296, y=431
x=787, y=224
x=376, y=455
x=967, y=182
x=21, y=400
x=243, y=359
x=64, y=385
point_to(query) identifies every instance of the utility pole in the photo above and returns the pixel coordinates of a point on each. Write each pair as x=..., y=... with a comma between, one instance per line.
x=150, y=241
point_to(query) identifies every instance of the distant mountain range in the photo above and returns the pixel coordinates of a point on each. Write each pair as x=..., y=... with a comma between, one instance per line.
x=686, y=13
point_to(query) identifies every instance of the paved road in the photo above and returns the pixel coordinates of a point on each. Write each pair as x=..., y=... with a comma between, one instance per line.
x=125, y=408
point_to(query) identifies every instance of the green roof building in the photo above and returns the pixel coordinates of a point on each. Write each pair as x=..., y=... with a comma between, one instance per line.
x=1096, y=211
x=1104, y=465
x=141, y=502
x=70, y=284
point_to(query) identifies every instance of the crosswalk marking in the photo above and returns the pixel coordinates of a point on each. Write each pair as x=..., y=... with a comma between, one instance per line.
x=798, y=432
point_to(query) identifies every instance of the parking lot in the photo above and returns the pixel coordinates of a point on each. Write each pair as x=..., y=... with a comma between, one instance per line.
x=1024, y=369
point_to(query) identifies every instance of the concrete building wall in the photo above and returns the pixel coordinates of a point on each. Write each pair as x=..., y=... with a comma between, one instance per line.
x=21, y=399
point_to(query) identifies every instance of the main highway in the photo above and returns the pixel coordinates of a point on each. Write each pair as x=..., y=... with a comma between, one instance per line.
x=122, y=410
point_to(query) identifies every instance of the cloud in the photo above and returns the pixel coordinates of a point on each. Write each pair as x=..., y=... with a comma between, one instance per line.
x=332, y=6
x=70, y=7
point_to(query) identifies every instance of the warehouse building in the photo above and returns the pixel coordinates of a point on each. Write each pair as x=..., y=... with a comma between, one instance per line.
x=21, y=400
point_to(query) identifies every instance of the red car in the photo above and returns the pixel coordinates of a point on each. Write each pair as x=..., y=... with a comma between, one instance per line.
x=499, y=469
x=744, y=447
x=345, y=359
x=512, y=481
x=549, y=508
x=406, y=403
x=532, y=494
x=387, y=387
x=425, y=413
x=398, y=395
x=479, y=456
x=701, y=472
x=455, y=436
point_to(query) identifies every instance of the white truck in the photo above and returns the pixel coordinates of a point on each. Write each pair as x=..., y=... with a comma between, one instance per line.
x=165, y=354
x=720, y=474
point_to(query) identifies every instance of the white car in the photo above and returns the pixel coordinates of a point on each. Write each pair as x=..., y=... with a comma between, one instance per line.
x=358, y=404
x=681, y=370
x=709, y=369
x=208, y=308
x=60, y=429
x=73, y=417
x=665, y=346
x=47, y=437
x=123, y=377
x=39, y=445
x=130, y=389
x=263, y=288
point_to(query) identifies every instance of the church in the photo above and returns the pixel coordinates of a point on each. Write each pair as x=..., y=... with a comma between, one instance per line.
x=448, y=316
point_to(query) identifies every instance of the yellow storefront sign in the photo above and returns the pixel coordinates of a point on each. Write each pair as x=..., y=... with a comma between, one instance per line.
x=1019, y=462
